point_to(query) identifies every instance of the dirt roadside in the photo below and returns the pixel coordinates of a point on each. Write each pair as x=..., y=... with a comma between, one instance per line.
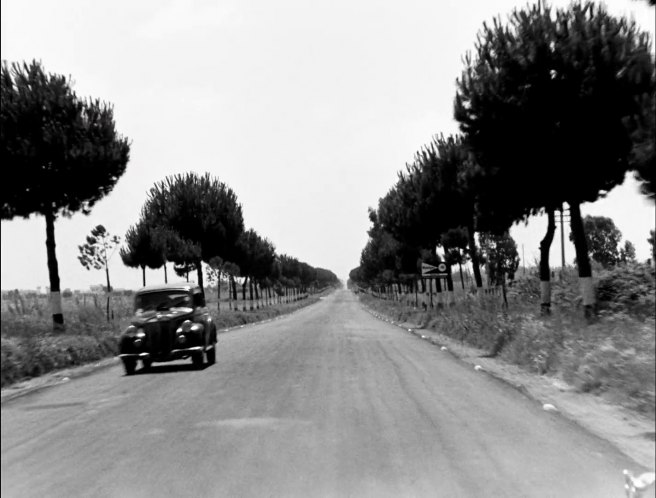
x=630, y=432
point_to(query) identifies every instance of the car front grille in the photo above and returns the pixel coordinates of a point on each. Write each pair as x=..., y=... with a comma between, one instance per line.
x=161, y=335
x=158, y=337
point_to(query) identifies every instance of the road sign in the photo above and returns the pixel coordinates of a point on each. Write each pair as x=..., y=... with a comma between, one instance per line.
x=434, y=271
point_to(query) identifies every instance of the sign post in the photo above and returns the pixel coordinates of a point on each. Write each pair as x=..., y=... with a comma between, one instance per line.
x=434, y=272
x=430, y=271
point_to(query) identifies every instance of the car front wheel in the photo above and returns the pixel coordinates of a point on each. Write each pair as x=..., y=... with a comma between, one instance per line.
x=211, y=355
x=130, y=364
x=147, y=363
x=197, y=359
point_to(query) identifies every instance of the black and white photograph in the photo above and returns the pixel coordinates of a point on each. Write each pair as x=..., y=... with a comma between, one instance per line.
x=331, y=249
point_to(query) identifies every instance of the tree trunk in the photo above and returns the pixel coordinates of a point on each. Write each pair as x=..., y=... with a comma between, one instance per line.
x=143, y=275
x=462, y=280
x=233, y=285
x=449, y=286
x=250, y=293
x=416, y=292
x=545, y=271
x=582, y=259
x=488, y=276
x=166, y=277
x=257, y=297
x=503, y=290
x=109, y=288
x=218, y=291
x=473, y=252
x=199, y=273
x=430, y=291
x=243, y=293
x=53, y=274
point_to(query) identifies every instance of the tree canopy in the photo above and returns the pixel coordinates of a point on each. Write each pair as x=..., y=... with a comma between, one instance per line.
x=552, y=105
x=202, y=215
x=555, y=106
x=191, y=219
x=563, y=83
x=145, y=247
x=64, y=153
x=603, y=239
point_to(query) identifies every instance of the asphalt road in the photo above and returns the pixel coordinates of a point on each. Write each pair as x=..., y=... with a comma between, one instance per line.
x=328, y=401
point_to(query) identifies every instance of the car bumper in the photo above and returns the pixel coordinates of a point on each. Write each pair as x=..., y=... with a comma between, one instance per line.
x=172, y=355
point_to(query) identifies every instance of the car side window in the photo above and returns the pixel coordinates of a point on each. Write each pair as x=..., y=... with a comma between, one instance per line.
x=199, y=300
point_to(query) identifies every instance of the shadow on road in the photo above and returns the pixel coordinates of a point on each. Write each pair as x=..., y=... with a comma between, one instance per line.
x=161, y=369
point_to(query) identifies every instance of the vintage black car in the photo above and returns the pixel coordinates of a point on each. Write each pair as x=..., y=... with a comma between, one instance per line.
x=171, y=322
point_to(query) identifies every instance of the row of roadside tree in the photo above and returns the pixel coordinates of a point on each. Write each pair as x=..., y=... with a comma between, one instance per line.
x=65, y=154
x=555, y=107
x=192, y=219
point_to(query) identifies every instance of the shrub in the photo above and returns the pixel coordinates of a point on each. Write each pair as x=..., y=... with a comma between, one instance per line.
x=617, y=359
x=536, y=345
x=628, y=288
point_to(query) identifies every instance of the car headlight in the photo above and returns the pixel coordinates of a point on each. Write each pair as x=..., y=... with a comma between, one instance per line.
x=181, y=338
x=186, y=326
x=138, y=338
x=134, y=331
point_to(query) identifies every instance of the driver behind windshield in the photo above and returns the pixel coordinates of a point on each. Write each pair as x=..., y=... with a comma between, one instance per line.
x=157, y=301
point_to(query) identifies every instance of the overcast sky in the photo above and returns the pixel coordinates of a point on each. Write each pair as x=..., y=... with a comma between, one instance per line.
x=305, y=109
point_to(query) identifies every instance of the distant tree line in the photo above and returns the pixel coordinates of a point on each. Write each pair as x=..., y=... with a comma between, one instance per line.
x=554, y=108
x=191, y=220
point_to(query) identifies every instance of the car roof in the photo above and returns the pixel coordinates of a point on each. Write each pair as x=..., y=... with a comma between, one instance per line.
x=181, y=286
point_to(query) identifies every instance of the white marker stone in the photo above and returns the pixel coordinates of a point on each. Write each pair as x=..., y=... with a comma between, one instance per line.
x=548, y=407
x=478, y=367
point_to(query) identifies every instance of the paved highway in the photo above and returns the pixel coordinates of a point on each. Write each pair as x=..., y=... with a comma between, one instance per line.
x=327, y=402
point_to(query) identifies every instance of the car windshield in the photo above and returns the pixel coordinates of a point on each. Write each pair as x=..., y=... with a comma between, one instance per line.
x=160, y=301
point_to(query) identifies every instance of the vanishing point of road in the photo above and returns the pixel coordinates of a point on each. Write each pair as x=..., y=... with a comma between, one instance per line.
x=326, y=402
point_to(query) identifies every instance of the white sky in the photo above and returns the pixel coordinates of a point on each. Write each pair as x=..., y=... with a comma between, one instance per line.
x=306, y=109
